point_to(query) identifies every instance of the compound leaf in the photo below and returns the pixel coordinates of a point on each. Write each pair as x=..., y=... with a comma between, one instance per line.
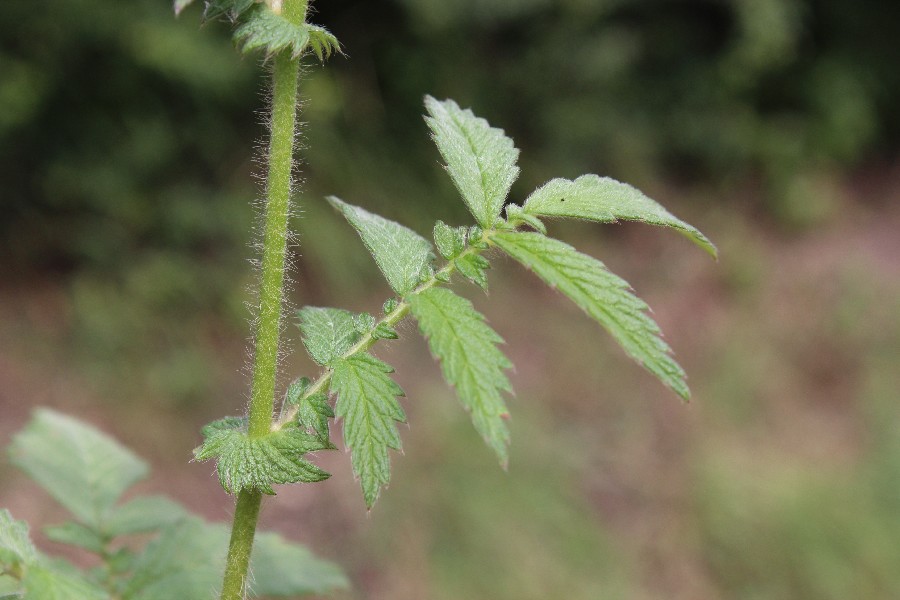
x=470, y=359
x=602, y=295
x=481, y=159
x=367, y=402
x=83, y=469
x=403, y=256
x=256, y=463
x=605, y=200
x=327, y=332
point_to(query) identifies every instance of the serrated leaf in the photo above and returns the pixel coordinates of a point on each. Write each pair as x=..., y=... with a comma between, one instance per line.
x=602, y=295
x=256, y=463
x=385, y=332
x=472, y=267
x=47, y=583
x=450, y=241
x=327, y=332
x=144, y=514
x=15, y=543
x=402, y=254
x=263, y=29
x=231, y=9
x=76, y=534
x=471, y=362
x=480, y=159
x=367, y=403
x=83, y=469
x=606, y=200
x=282, y=568
x=313, y=413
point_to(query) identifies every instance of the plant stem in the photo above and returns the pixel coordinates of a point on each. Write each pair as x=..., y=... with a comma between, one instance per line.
x=243, y=529
x=285, y=77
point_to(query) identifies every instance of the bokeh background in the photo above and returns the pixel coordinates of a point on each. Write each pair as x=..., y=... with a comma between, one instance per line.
x=128, y=190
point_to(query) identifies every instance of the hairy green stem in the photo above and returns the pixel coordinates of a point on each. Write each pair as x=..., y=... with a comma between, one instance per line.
x=243, y=529
x=391, y=319
x=283, y=125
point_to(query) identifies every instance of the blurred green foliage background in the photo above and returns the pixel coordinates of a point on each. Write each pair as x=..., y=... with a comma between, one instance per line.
x=127, y=187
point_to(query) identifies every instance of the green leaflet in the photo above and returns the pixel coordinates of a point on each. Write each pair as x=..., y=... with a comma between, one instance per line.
x=48, y=583
x=450, y=241
x=313, y=413
x=470, y=359
x=367, y=402
x=76, y=534
x=144, y=514
x=602, y=295
x=256, y=463
x=481, y=159
x=605, y=200
x=403, y=256
x=262, y=29
x=187, y=559
x=15, y=543
x=84, y=470
x=327, y=332
x=472, y=267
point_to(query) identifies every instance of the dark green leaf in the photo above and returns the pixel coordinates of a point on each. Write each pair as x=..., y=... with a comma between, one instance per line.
x=367, y=402
x=602, y=295
x=256, y=463
x=470, y=359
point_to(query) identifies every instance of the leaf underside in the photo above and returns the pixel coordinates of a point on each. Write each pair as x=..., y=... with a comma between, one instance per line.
x=606, y=200
x=367, y=403
x=470, y=360
x=480, y=159
x=402, y=255
x=602, y=295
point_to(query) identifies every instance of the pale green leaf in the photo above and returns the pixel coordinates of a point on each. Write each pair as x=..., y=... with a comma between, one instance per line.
x=185, y=561
x=76, y=534
x=282, y=568
x=313, y=413
x=450, y=241
x=83, y=469
x=144, y=514
x=604, y=296
x=470, y=359
x=47, y=583
x=367, y=403
x=403, y=256
x=472, y=267
x=606, y=200
x=327, y=332
x=481, y=159
x=256, y=463
x=15, y=543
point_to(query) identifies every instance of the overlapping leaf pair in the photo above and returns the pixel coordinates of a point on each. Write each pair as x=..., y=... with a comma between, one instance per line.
x=481, y=161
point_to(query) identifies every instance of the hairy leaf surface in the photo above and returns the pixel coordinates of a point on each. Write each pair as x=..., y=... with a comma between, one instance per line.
x=470, y=359
x=256, y=463
x=262, y=29
x=367, y=402
x=606, y=200
x=481, y=159
x=83, y=469
x=604, y=296
x=402, y=254
x=327, y=332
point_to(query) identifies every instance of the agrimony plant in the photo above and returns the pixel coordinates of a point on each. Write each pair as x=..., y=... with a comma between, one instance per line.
x=255, y=452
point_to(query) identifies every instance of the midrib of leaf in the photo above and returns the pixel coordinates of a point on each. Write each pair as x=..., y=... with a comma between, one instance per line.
x=481, y=169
